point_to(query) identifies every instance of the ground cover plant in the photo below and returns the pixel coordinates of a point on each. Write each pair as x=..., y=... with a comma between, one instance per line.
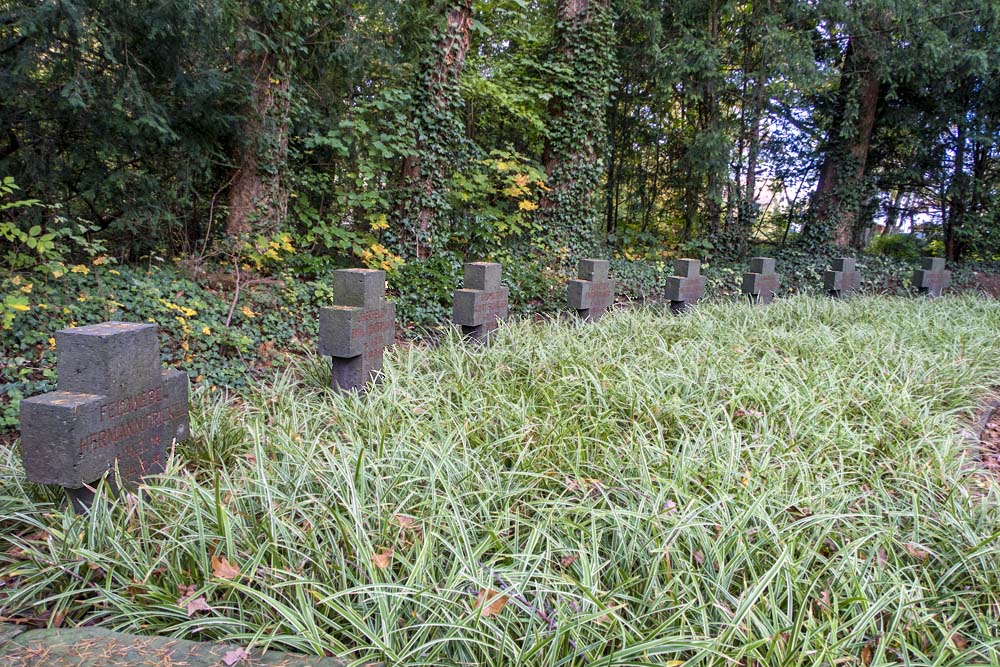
x=225, y=339
x=766, y=486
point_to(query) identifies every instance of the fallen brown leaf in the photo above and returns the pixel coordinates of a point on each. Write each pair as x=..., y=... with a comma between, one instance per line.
x=568, y=560
x=235, y=656
x=382, y=558
x=223, y=569
x=192, y=604
x=494, y=602
x=960, y=642
x=868, y=651
x=916, y=552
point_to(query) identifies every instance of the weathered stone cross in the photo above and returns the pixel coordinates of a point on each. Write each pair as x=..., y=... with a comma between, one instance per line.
x=931, y=278
x=761, y=282
x=114, y=407
x=359, y=326
x=593, y=292
x=843, y=279
x=482, y=303
x=687, y=287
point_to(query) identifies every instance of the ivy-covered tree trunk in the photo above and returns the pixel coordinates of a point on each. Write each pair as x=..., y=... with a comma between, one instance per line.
x=439, y=129
x=577, y=130
x=258, y=197
x=837, y=202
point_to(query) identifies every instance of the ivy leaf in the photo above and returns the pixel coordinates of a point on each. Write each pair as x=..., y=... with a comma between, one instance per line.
x=478, y=26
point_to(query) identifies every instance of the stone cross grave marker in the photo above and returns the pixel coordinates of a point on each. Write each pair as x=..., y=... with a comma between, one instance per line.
x=359, y=326
x=114, y=407
x=483, y=301
x=931, y=278
x=687, y=287
x=843, y=279
x=761, y=282
x=593, y=292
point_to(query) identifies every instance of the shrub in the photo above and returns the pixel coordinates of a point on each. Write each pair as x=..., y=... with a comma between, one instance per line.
x=898, y=246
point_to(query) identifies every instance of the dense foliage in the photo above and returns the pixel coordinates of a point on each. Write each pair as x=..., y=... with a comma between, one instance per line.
x=769, y=486
x=228, y=343
x=381, y=132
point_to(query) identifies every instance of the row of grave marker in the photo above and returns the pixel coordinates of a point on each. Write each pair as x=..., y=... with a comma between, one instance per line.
x=115, y=408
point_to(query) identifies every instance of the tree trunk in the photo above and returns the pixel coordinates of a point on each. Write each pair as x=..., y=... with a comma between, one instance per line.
x=748, y=202
x=957, y=194
x=438, y=130
x=712, y=118
x=892, y=213
x=577, y=131
x=611, y=185
x=838, y=199
x=258, y=198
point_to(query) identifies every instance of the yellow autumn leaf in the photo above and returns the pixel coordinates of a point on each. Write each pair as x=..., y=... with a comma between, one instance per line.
x=207, y=331
x=27, y=288
x=247, y=311
x=79, y=268
x=526, y=205
x=20, y=307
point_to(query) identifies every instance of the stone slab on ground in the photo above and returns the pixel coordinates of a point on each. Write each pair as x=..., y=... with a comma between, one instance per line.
x=98, y=647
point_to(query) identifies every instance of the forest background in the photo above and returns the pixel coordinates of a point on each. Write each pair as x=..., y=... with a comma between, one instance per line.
x=207, y=164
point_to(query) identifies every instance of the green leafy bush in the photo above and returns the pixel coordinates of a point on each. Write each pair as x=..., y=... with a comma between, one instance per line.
x=424, y=289
x=898, y=246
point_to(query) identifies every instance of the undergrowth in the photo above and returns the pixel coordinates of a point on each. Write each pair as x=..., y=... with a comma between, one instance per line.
x=736, y=486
